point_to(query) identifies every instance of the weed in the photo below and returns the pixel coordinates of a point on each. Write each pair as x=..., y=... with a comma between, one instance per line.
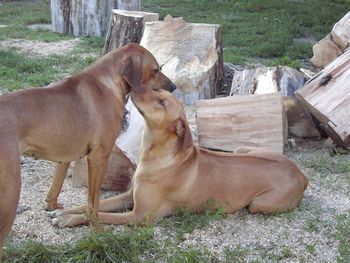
x=311, y=248
x=237, y=254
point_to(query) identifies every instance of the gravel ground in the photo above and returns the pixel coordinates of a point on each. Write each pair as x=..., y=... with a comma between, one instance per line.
x=306, y=234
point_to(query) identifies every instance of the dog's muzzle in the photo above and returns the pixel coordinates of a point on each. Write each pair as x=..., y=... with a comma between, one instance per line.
x=172, y=87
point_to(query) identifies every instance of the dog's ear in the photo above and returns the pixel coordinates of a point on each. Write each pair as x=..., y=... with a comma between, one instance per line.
x=183, y=132
x=132, y=72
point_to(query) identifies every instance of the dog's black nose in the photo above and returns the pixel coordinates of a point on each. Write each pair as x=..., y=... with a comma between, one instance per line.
x=172, y=87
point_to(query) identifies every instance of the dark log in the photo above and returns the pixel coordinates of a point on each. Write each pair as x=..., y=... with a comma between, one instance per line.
x=126, y=27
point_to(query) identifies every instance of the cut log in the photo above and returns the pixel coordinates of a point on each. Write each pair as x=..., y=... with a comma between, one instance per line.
x=118, y=175
x=278, y=79
x=333, y=45
x=81, y=17
x=241, y=121
x=190, y=55
x=341, y=32
x=324, y=52
x=131, y=5
x=327, y=97
x=124, y=156
x=126, y=27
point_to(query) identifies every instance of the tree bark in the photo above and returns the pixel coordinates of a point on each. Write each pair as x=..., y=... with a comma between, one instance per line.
x=81, y=17
x=126, y=27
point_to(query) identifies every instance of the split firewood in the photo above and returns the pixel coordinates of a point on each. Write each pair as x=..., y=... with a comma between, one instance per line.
x=327, y=97
x=190, y=55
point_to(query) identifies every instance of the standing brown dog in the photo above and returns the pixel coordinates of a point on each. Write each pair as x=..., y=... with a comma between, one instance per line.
x=80, y=115
x=173, y=173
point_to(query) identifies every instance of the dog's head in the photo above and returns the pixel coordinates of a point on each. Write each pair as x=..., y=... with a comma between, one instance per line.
x=141, y=69
x=163, y=114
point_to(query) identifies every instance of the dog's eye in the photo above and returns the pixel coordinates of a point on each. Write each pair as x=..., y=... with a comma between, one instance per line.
x=161, y=102
x=156, y=71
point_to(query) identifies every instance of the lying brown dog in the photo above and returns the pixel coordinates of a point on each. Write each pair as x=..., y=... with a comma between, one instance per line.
x=173, y=173
x=80, y=115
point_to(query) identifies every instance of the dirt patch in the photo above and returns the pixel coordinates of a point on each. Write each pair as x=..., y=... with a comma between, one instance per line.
x=40, y=48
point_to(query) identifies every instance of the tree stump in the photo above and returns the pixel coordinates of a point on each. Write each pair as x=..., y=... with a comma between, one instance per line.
x=190, y=55
x=126, y=27
x=81, y=17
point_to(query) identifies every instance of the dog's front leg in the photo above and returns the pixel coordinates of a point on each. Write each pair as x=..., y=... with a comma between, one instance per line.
x=56, y=186
x=122, y=201
x=133, y=217
x=97, y=163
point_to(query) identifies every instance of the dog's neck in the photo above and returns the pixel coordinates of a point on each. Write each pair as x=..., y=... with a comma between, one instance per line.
x=105, y=71
x=159, y=149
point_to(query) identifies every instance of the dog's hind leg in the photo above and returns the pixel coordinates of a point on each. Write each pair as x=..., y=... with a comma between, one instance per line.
x=274, y=201
x=56, y=186
x=10, y=184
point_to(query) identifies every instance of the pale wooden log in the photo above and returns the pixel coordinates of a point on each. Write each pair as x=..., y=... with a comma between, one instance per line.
x=327, y=97
x=190, y=55
x=341, y=32
x=126, y=27
x=324, y=52
x=131, y=5
x=241, y=121
x=118, y=175
x=267, y=80
x=81, y=17
x=278, y=79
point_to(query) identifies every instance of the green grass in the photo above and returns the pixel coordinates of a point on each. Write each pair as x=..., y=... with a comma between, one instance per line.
x=260, y=28
x=184, y=222
x=343, y=236
x=18, y=71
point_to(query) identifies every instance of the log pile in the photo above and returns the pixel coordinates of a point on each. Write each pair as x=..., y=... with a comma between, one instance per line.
x=126, y=27
x=190, y=55
x=333, y=45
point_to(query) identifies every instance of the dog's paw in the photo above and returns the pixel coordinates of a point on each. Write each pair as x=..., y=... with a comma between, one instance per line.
x=68, y=220
x=56, y=213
